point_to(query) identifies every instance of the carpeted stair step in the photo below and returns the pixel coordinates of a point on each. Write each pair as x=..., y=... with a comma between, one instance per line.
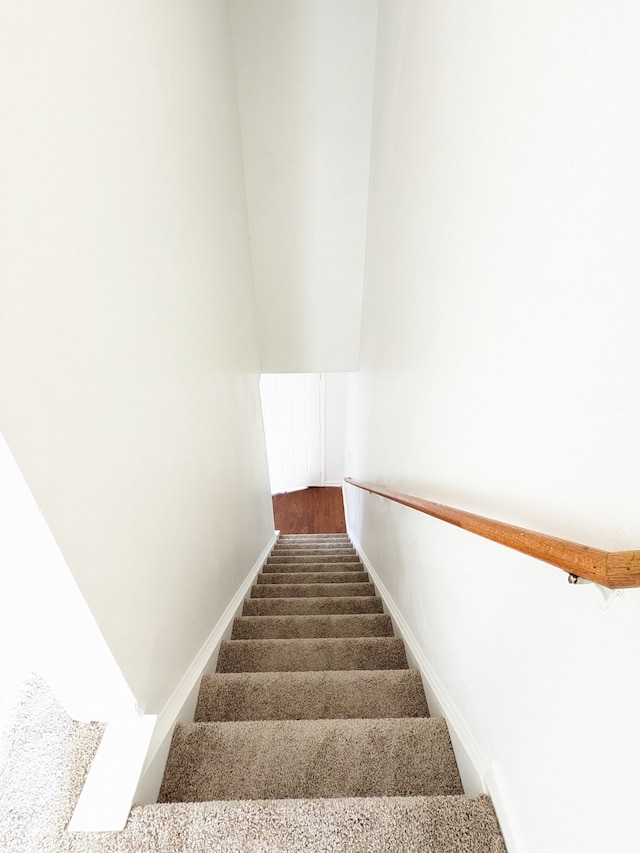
x=314, y=543
x=311, y=654
x=311, y=695
x=311, y=590
x=275, y=568
x=330, y=557
x=315, y=561
x=302, y=544
x=294, y=627
x=310, y=606
x=313, y=577
x=344, y=556
x=305, y=556
x=314, y=537
x=449, y=824
x=309, y=541
x=332, y=548
x=310, y=758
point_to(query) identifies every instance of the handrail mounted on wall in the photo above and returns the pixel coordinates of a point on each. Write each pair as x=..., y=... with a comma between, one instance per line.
x=611, y=569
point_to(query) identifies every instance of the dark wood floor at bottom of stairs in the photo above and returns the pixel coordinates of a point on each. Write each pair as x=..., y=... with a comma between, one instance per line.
x=318, y=509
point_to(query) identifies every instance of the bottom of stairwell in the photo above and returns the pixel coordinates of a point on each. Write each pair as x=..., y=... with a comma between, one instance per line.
x=313, y=734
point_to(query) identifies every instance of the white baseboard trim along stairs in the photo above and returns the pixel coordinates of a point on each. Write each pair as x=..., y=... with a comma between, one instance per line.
x=132, y=754
x=313, y=733
x=478, y=773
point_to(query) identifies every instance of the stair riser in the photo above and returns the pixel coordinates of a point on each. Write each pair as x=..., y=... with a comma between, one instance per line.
x=449, y=824
x=275, y=568
x=311, y=655
x=316, y=537
x=311, y=606
x=317, y=758
x=313, y=558
x=319, y=556
x=283, y=550
x=296, y=627
x=312, y=590
x=311, y=696
x=312, y=577
x=312, y=542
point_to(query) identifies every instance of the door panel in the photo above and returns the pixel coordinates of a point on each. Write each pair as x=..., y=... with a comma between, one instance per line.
x=291, y=412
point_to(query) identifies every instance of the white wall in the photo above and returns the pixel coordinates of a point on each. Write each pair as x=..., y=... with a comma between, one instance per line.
x=305, y=88
x=43, y=614
x=128, y=357
x=499, y=374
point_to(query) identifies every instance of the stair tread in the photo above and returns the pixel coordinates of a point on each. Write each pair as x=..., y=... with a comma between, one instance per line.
x=442, y=824
x=310, y=758
x=319, y=537
x=282, y=568
x=303, y=540
x=313, y=590
x=311, y=695
x=292, y=626
x=332, y=548
x=317, y=553
x=310, y=540
x=314, y=577
x=311, y=654
x=312, y=605
x=330, y=565
x=313, y=558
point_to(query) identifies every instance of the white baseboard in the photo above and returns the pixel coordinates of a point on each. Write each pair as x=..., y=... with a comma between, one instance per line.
x=505, y=811
x=473, y=753
x=181, y=704
x=478, y=773
x=130, y=761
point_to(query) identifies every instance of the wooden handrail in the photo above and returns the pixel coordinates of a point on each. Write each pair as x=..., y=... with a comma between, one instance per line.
x=613, y=569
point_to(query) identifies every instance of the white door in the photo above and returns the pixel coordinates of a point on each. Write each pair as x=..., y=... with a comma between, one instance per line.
x=291, y=411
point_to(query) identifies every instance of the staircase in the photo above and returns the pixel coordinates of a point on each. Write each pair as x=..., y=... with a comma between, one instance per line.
x=314, y=715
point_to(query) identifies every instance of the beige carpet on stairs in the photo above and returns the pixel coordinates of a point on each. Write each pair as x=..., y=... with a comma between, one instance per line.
x=316, y=705
x=320, y=757
x=311, y=695
x=312, y=606
x=311, y=627
x=272, y=759
x=312, y=590
x=312, y=654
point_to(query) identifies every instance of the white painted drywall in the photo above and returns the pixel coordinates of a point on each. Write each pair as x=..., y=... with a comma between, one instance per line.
x=499, y=373
x=305, y=90
x=43, y=615
x=128, y=356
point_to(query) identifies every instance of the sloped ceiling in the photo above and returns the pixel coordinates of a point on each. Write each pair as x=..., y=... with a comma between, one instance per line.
x=305, y=75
